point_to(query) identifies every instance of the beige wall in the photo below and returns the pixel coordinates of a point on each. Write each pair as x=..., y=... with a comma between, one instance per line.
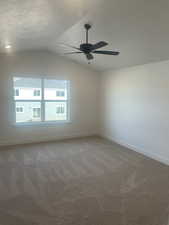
x=84, y=97
x=135, y=108
x=134, y=102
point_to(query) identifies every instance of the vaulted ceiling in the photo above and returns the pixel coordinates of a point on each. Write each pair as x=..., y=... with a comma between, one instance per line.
x=138, y=29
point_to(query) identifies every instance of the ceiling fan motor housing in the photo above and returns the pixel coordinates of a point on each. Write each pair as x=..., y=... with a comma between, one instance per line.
x=87, y=26
x=86, y=48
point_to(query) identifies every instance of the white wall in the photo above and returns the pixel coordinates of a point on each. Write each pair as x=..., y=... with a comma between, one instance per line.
x=135, y=108
x=84, y=97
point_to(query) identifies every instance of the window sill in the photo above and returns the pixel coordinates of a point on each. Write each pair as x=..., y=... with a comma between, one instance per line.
x=33, y=124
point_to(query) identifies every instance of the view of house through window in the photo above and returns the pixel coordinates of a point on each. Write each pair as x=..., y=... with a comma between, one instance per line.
x=40, y=100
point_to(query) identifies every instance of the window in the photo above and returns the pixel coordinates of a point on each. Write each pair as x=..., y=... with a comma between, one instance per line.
x=19, y=109
x=43, y=106
x=60, y=93
x=36, y=93
x=16, y=92
x=36, y=112
x=60, y=109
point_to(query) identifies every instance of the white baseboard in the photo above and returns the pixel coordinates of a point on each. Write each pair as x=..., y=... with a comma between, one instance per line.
x=138, y=149
x=45, y=139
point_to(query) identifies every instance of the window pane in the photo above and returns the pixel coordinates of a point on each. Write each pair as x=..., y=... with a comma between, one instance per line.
x=24, y=88
x=55, y=89
x=31, y=112
x=29, y=97
x=55, y=111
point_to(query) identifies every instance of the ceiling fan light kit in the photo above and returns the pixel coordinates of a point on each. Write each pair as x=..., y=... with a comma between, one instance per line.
x=89, y=49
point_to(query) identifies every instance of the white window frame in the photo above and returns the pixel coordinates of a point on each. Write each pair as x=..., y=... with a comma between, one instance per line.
x=42, y=102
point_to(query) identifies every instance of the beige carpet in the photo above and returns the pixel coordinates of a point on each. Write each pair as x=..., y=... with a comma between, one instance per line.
x=86, y=181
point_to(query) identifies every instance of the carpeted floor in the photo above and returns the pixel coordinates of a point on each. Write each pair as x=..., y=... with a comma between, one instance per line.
x=87, y=181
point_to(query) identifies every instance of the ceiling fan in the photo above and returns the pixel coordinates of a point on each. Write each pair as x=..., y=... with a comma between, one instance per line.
x=89, y=49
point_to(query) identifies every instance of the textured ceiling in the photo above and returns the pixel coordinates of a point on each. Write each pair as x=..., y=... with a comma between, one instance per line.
x=139, y=29
x=35, y=24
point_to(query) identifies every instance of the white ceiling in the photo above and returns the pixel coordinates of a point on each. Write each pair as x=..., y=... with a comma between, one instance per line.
x=138, y=29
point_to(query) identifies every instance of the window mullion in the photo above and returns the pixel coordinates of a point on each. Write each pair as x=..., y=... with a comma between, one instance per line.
x=42, y=101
